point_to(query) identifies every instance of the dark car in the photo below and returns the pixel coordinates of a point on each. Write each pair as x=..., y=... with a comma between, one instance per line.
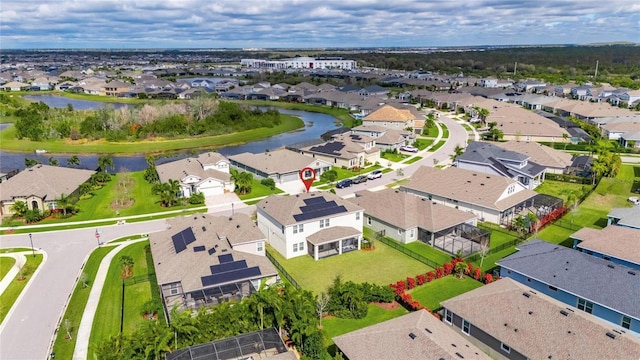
x=344, y=183
x=360, y=179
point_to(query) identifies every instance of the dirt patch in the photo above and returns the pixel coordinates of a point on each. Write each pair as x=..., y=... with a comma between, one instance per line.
x=152, y=316
x=387, y=306
x=369, y=248
x=122, y=204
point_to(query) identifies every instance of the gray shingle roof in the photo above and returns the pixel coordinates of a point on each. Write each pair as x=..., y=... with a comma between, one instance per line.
x=44, y=181
x=275, y=162
x=542, y=331
x=628, y=216
x=618, y=241
x=586, y=276
x=391, y=340
x=502, y=160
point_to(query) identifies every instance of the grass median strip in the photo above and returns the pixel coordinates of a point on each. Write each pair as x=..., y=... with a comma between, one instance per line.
x=15, y=288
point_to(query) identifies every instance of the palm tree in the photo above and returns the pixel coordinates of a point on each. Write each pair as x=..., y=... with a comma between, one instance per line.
x=243, y=181
x=53, y=161
x=126, y=262
x=73, y=161
x=19, y=208
x=105, y=162
x=457, y=152
x=565, y=137
x=460, y=268
x=63, y=202
x=155, y=339
x=184, y=328
x=520, y=224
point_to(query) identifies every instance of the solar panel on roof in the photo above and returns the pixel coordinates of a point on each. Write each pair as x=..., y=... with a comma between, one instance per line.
x=225, y=258
x=182, y=239
x=230, y=266
x=328, y=148
x=199, y=248
x=230, y=276
x=318, y=206
x=319, y=213
x=314, y=200
x=212, y=251
x=188, y=236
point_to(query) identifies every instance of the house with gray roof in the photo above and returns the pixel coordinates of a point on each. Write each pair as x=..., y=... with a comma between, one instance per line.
x=39, y=186
x=208, y=173
x=406, y=218
x=203, y=260
x=488, y=158
x=524, y=323
x=417, y=335
x=629, y=217
x=613, y=243
x=591, y=284
x=492, y=198
x=345, y=149
x=555, y=161
x=319, y=224
x=282, y=165
x=386, y=138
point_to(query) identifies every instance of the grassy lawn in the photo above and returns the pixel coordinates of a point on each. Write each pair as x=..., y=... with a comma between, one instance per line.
x=438, y=145
x=413, y=159
x=429, y=252
x=445, y=131
x=422, y=144
x=332, y=327
x=107, y=320
x=6, y=263
x=433, y=293
x=430, y=132
x=561, y=189
x=395, y=157
x=259, y=190
x=499, y=235
x=12, y=250
x=11, y=293
x=11, y=143
x=382, y=266
x=64, y=347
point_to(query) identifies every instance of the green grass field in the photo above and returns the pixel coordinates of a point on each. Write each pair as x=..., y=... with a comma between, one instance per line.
x=430, y=132
x=107, y=320
x=413, y=159
x=433, y=293
x=64, y=347
x=333, y=326
x=11, y=293
x=445, y=131
x=561, y=189
x=12, y=250
x=11, y=143
x=438, y=145
x=259, y=190
x=433, y=254
x=6, y=263
x=382, y=266
x=395, y=157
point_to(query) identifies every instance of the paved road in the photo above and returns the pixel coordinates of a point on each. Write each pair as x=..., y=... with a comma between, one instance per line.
x=27, y=331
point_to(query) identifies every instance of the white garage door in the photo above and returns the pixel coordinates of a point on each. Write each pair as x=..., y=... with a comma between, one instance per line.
x=211, y=188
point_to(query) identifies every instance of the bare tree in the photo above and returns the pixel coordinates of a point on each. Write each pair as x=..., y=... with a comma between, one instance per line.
x=484, y=250
x=321, y=305
x=67, y=327
x=84, y=279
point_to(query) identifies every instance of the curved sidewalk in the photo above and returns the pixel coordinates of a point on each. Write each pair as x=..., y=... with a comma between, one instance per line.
x=81, y=350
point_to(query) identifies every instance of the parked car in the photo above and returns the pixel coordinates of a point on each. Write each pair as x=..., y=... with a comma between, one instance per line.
x=344, y=183
x=360, y=179
x=376, y=174
x=409, y=148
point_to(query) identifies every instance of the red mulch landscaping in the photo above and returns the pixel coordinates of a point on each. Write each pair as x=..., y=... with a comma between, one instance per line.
x=387, y=306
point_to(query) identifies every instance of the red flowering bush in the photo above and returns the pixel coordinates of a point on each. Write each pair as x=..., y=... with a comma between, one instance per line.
x=430, y=276
x=448, y=268
x=488, y=278
x=477, y=273
x=411, y=283
x=415, y=305
x=439, y=272
x=421, y=279
x=469, y=269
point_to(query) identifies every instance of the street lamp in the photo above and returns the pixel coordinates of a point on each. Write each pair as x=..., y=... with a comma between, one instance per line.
x=33, y=250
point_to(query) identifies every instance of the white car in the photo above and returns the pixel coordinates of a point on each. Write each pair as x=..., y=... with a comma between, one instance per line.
x=409, y=148
x=376, y=174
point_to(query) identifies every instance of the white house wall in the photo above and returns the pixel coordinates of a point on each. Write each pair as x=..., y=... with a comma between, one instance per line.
x=251, y=248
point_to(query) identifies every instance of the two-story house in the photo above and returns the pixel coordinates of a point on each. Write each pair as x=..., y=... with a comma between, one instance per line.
x=208, y=173
x=319, y=224
x=391, y=117
x=347, y=149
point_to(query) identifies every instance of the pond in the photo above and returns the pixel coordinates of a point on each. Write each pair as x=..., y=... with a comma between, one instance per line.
x=316, y=124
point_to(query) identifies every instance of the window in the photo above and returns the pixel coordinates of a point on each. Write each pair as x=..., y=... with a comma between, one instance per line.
x=295, y=247
x=368, y=220
x=301, y=246
x=295, y=229
x=465, y=327
x=553, y=288
x=298, y=228
x=412, y=233
x=324, y=223
x=173, y=289
x=260, y=248
x=400, y=231
x=626, y=322
x=505, y=348
x=448, y=316
x=358, y=215
x=586, y=306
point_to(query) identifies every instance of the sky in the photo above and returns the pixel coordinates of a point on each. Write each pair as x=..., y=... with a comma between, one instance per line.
x=312, y=23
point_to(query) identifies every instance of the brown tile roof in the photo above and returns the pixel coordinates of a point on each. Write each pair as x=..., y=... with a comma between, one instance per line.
x=332, y=234
x=189, y=266
x=468, y=186
x=390, y=113
x=541, y=154
x=282, y=208
x=275, y=162
x=405, y=211
x=542, y=331
x=618, y=241
x=391, y=340
x=45, y=181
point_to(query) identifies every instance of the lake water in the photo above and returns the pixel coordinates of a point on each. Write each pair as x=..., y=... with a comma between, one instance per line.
x=316, y=124
x=62, y=102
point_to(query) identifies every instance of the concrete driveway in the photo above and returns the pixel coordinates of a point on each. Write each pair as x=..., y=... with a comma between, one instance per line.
x=27, y=331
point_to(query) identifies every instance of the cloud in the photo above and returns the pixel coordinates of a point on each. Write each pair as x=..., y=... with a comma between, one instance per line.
x=307, y=23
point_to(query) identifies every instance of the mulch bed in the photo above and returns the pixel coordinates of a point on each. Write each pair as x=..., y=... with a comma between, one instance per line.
x=369, y=249
x=387, y=306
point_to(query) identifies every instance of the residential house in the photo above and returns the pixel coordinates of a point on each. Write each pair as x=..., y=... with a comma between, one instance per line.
x=345, y=149
x=485, y=157
x=616, y=130
x=613, y=243
x=116, y=87
x=386, y=139
x=207, y=174
x=530, y=85
x=555, y=161
x=406, y=218
x=391, y=117
x=582, y=92
x=319, y=224
x=43, y=83
x=15, y=86
x=417, y=335
x=373, y=90
x=629, y=217
x=520, y=124
x=631, y=139
x=590, y=284
x=39, y=186
x=580, y=166
x=92, y=86
x=523, y=323
x=491, y=198
x=491, y=82
x=204, y=260
x=282, y=165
